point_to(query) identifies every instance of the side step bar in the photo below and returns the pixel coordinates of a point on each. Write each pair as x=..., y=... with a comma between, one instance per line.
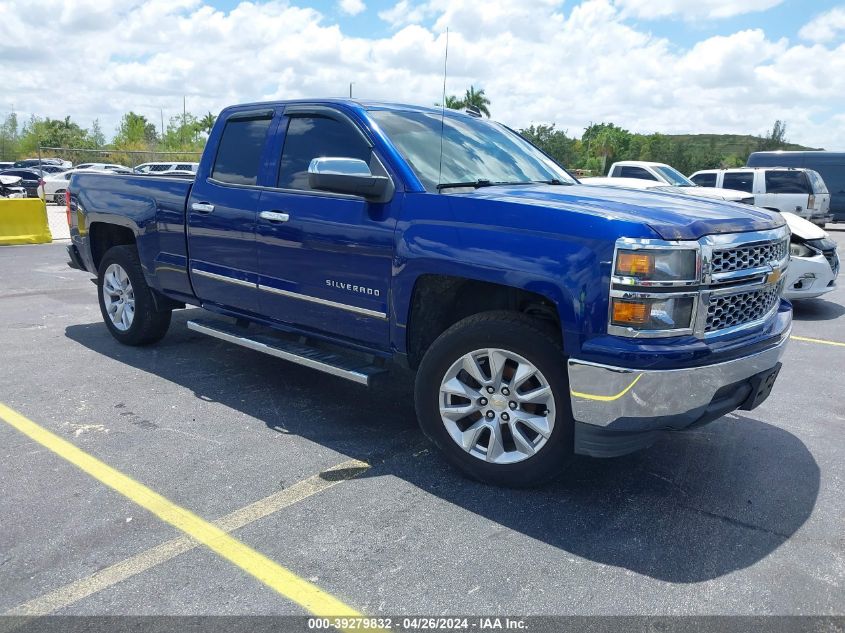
x=355, y=369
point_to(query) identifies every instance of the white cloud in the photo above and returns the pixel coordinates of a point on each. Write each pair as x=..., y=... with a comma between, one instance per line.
x=692, y=9
x=540, y=62
x=825, y=27
x=352, y=7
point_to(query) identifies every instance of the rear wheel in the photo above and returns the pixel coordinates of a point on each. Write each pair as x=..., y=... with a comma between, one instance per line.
x=126, y=301
x=492, y=394
x=59, y=197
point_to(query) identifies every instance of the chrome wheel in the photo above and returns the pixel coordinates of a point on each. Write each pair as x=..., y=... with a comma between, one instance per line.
x=118, y=297
x=497, y=406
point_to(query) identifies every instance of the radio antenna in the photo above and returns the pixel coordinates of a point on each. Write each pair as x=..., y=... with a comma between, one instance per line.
x=443, y=112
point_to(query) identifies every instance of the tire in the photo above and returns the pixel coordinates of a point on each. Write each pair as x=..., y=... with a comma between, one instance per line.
x=138, y=323
x=483, y=341
x=59, y=197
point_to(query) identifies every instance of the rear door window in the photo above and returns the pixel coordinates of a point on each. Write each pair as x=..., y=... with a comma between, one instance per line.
x=740, y=180
x=310, y=137
x=628, y=171
x=239, y=152
x=704, y=180
x=787, y=182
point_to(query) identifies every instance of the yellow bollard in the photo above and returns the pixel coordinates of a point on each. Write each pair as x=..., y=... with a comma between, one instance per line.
x=24, y=221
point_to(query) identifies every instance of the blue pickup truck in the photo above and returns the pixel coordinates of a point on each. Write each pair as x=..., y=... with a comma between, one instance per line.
x=543, y=318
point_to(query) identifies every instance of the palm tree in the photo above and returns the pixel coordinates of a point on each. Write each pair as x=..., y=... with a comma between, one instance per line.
x=453, y=103
x=477, y=99
x=207, y=122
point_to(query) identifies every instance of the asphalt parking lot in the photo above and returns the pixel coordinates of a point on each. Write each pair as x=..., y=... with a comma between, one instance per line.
x=743, y=516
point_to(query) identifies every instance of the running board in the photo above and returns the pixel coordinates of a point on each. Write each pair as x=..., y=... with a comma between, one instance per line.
x=355, y=369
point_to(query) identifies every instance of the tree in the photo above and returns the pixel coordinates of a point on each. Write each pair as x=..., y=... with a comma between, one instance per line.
x=775, y=138
x=477, y=99
x=9, y=137
x=207, y=122
x=554, y=142
x=96, y=134
x=135, y=132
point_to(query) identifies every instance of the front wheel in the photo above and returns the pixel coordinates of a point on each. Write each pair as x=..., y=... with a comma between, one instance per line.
x=126, y=301
x=492, y=393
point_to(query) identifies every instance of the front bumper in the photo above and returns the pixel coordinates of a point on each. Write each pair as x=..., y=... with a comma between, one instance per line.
x=808, y=277
x=618, y=410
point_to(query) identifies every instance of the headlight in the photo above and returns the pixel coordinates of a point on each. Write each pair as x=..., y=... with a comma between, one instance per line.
x=673, y=313
x=797, y=249
x=632, y=267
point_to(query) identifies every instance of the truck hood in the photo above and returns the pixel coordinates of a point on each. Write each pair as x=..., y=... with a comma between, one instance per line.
x=671, y=216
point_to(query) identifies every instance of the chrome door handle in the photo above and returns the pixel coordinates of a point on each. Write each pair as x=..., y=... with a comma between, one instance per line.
x=202, y=207
x=274, y=216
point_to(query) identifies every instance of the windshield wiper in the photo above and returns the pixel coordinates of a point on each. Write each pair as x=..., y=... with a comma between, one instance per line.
x=553, y=181
x=481, y=182
x=473, y=183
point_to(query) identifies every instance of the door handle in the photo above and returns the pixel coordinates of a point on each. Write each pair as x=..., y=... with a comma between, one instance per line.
x=274, y=216
x=202, y=207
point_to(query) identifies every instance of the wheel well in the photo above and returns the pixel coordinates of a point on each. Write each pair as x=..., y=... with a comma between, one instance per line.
x=440, y=301
x=103, y=236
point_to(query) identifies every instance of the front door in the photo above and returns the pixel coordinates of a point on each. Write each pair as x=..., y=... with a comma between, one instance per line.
x=324, y=259
x=221, y=215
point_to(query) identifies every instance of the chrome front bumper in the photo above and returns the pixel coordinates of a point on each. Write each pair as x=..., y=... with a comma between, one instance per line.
x=623, y=399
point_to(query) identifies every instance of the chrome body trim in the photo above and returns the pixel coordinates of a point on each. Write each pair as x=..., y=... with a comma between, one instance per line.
x=274, y=216
x=332, y=304
x=638, y=397
x=223, y=278
x=293, y=295
x=313, y=361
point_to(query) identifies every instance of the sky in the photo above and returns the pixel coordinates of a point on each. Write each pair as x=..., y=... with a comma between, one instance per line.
x=671, y=66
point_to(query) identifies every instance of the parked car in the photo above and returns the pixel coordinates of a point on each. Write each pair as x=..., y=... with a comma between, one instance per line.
x=11, y=187
x=6, y=165
x=49, y=168
x=29, y=163
x=799, y=191
x=655, y=185
x=160, y=168
x=55, y=185
x=829, y=165
x=663, y=173
x=543, y=317
x=120, y=169
x=31, y=180
x=814, y=262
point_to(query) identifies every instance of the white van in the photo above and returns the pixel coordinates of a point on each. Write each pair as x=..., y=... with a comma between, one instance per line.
x=799, y=191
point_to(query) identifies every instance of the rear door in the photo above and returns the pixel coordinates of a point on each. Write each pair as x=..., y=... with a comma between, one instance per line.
x=787, y=190
x=222, y=212
x=325, y=260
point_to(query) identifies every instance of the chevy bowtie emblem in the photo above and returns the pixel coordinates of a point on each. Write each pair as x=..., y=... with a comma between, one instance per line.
x=774, y=276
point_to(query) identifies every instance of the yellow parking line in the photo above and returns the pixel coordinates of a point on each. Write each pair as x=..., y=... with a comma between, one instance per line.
x=103, y=579
x=283, y=581
x=817, y=340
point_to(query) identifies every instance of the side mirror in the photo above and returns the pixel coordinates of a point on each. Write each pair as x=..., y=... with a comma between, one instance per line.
x=348, y=175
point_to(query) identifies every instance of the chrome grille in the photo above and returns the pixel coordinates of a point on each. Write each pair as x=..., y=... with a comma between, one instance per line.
x=745, y=257
x=744, y=307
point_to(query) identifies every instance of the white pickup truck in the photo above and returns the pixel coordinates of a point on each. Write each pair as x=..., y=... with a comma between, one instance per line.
x=669, y=176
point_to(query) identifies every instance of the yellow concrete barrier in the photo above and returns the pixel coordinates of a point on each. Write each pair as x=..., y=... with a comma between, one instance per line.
x=24, y=221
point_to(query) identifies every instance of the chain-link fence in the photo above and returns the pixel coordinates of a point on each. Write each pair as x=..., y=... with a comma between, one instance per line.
x=126, y=158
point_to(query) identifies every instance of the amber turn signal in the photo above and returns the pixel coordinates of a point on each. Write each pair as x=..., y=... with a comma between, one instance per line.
x=634, y=263
x=630, y=312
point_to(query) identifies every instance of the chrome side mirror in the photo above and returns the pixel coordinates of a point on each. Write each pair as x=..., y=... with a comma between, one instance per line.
x=350, y=176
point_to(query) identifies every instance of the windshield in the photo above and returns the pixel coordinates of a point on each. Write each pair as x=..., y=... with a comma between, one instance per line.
x=474, y=150
x=674, y=177
x=817, y=181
